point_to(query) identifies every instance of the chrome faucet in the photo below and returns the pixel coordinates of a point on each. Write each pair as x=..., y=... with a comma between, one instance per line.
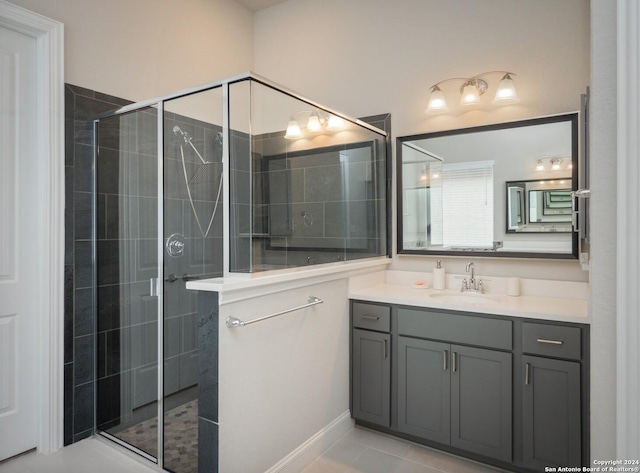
x=472, y=284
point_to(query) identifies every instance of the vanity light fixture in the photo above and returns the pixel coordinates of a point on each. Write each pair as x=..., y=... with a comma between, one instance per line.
x=293, y=130
x=335, y=123
x=316, y=122
x=506, y=93
x=555, y=164
x=471, y=90
x=437, y=102
x=313, y=123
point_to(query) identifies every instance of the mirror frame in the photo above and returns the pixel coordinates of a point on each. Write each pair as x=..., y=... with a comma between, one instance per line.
x=572, y=118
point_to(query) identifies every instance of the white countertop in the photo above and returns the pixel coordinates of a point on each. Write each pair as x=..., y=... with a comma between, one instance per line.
x=537, y=305
x=244, y=286
x=369, y=280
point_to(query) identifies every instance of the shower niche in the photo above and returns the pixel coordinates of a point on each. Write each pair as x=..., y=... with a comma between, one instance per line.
x=212, y=182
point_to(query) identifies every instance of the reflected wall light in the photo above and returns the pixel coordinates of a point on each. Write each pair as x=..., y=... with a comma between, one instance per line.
x=553, y=163
x=310, y=122
x=471, y=90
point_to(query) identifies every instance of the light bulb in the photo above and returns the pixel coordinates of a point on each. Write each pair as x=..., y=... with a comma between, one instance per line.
x=470, y=95
x=555, y=164
x=506, y=93
x=437, y=102
x=540, y=165
x=293, y=130
x=313, y=125
x=335, y=123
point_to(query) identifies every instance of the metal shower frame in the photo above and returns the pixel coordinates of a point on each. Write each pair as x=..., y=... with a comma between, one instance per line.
x=159, y=105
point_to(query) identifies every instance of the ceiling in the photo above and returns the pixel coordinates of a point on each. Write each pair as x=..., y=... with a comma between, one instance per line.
x=257, y=5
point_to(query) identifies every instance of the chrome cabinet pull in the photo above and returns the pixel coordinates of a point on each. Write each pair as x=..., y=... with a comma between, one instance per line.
x=454, y=364
x=550, y=342
x=384, y=348
x=445, y=355
x=527, y=367
x=370, y=317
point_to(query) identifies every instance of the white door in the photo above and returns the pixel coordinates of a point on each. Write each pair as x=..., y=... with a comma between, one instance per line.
x=19, y=273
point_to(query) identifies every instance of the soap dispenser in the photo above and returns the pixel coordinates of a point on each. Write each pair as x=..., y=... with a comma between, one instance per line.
x=438, y=276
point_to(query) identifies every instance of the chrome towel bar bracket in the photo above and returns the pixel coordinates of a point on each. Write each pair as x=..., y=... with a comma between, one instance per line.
x=235, y=322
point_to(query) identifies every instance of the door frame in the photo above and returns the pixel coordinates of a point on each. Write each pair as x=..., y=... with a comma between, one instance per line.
x=49, y=215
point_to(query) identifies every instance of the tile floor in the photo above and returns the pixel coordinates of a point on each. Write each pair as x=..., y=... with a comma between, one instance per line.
x=89, y=455
x=359, y=451
x=366, y=451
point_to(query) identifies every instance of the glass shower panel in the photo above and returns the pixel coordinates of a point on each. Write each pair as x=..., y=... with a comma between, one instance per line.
x=127, y=268
x=307, y=186
x=193, y=249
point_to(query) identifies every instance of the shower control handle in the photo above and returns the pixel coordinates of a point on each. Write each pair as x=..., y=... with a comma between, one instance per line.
x=187, y=277
x=171, y=278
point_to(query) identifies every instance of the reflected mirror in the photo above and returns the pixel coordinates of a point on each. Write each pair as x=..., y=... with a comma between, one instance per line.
x=541, y=206
x=495, y=190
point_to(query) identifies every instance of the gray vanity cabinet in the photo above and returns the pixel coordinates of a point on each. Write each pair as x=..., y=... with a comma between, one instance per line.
x=551, y=396
x=551, y=413
x=481, y=392
x=424, y=389
x=371, y=364
x=508, y=391
x=455, y=395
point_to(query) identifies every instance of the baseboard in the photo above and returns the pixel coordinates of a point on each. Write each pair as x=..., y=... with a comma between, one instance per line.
x=302, y=456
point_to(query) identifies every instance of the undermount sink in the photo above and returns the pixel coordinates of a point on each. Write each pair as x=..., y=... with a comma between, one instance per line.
x=468, y=298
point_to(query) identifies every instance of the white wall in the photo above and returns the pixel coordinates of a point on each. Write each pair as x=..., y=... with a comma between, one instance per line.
x=373, y=56
x=603, y=224
x=284, y=379
x=365, y=57
x=146, y=48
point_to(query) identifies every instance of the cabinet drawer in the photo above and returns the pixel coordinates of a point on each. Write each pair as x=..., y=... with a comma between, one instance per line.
x=372, y=317
x=465, y=329
x=551, y=340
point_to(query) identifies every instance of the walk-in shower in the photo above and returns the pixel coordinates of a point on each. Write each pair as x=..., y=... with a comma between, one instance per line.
x=207, y=183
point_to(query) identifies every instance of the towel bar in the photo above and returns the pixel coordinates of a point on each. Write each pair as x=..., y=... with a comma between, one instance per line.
x=235, y=322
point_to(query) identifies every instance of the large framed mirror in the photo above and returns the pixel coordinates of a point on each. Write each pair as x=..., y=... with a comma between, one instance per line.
x=502, y=190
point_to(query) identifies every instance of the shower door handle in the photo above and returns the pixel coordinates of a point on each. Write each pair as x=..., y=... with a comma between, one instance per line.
x=153, y=287
x=187, y=278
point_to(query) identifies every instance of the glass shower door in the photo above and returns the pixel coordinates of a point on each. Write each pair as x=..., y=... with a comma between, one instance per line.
x=127, y=272
x=193, y=249
x=145, y=313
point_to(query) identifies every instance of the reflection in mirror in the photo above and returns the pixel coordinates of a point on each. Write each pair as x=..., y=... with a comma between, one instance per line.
x=515, y=206
x=453, y=199
x=546, y=209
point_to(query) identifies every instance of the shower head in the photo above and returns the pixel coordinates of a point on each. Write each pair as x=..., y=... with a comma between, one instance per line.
x=178, y=132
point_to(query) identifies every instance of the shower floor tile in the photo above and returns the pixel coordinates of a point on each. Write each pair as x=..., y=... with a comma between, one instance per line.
x=180, y=437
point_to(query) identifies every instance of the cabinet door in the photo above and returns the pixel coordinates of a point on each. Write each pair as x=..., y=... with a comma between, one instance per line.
x=551, y=417
x=371, y=377
x=481, y=401
x=424, y=389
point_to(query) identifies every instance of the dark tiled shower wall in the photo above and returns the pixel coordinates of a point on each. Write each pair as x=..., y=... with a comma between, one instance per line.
x=287, y=186
x=80, y=340
x=81, y=106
